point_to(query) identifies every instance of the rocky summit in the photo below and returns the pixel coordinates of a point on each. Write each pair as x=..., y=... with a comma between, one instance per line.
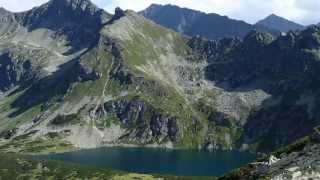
x=279, y=23
x=74, y=77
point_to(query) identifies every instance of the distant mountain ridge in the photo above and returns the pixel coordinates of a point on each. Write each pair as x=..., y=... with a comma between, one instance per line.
x=191, y=22
x=279, y=23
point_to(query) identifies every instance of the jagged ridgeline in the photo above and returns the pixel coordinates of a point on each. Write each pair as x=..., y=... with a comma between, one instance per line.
x=74, y=76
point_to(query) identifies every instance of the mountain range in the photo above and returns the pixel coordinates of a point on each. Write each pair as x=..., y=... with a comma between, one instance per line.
x=74, y=76
x=192, y=23
x=213, y=26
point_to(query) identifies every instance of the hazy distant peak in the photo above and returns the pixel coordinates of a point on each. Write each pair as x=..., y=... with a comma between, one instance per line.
x=192, y=22
x=4, y=11
x=279, y=23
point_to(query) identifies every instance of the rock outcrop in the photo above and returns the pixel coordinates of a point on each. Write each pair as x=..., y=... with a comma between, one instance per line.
x=299, y=160
x=144, y=122
x=285, y=68
x=78, y=20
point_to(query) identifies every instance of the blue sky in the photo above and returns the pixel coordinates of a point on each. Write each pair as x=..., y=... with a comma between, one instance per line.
x=302, y=11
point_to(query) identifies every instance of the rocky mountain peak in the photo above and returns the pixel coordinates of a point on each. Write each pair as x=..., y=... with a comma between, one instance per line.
x=5, y=15
x=273, y=16
x=118, y=13
x=2, y=10
x=153, y=7
x=73, y=4
x=279, y=23
x=76, y=21
x=60, y=12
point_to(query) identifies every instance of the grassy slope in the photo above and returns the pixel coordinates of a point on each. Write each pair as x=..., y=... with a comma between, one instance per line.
x=144, y=43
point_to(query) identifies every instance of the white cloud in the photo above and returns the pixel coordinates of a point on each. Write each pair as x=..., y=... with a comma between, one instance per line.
x=301, y=11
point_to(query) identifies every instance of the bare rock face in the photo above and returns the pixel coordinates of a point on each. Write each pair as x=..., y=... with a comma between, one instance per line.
x=118, y=13
x=119, y=71
x=54, y=85
x=260, y=56
x=78, y=20
x=284, y=67
x=8, y=134
x=150, y=123
x=14, y=72
x=6, y=16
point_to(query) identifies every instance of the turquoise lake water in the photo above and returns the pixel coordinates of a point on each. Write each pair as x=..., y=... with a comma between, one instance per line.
x=158, y=161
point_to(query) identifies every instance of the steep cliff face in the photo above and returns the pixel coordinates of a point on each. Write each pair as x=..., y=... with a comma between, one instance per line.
x=145, y=124
x=14, y=72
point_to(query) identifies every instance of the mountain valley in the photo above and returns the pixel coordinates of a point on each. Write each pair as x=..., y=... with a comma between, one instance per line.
x=76, y=77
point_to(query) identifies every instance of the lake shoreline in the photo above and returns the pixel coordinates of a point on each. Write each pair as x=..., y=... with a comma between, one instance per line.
x=163, y=161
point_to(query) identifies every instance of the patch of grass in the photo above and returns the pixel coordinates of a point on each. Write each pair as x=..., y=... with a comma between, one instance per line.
x=5, y=104
x=138, y=51
x=24, y=136
x=111, y=120
x=50, y=143
x=100, y=61
x=150, y=41
x=244, y=173
x=66, y=119
x=27, y=116
x=16, y=167
x=53, y=135
x=317, y=130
